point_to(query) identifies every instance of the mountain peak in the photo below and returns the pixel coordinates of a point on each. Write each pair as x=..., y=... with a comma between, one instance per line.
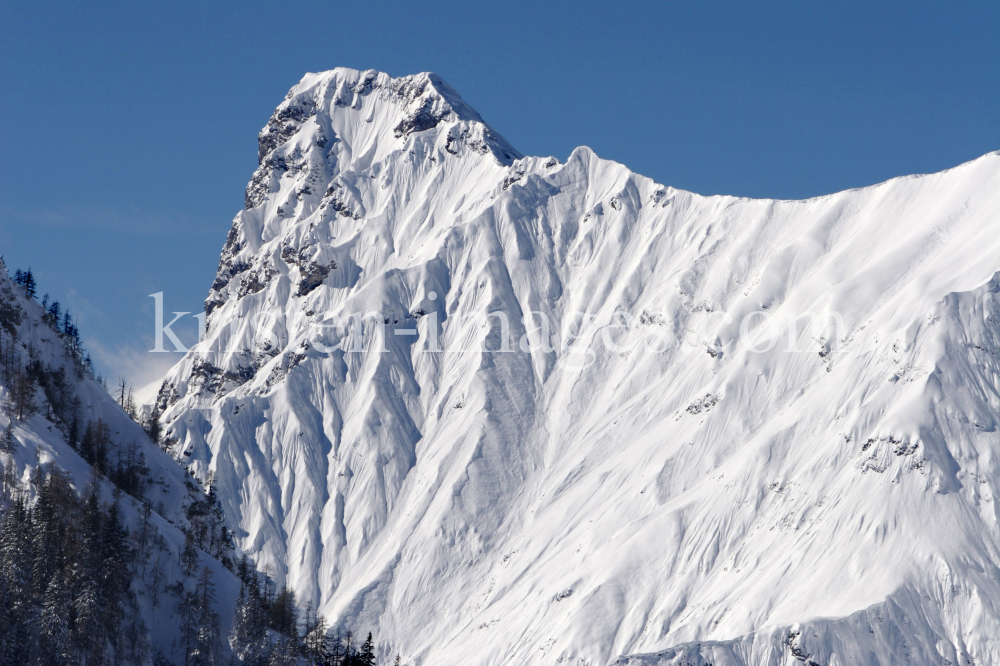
x=426, y=98
x=439, y=386
x=344, y=115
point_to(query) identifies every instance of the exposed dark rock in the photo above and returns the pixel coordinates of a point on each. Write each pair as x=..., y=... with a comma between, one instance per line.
x=214, y=301
x=227, y=270
x=313, y=275
x=424, y=118
x=283, y=124
x=255, y=281
x=208, y=377
x=281, y=369
x=341, y=200
x=705, y=404
x=260, y=183
x=166, y=396
x=233, y=242
x=514, y=176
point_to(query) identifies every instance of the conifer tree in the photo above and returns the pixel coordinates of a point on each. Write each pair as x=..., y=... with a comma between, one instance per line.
x=45, y=535
x=239, y=639
x=152, y=425
x=367, y=655
x=73, y=434
x=114, y=575
x=135, y=647
x=348, y=646
x=249, y=638
x=54, y=312
x=189, y=555
x=89, y=630
x=187, y=609
x=155, y=578
x=142, y=539
x=54, y=637
x=89, y=603
x=336, y=650
x=207, y=621
x=15, y=569
x=7, y=442
x=315, y=640
x=284, y=614
x=282, y=654
x=27, y=280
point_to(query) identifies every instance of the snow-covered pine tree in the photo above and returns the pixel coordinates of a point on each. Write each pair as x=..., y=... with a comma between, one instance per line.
x=15, y=572
x=283, y=653
x=114, y=577
x=55, y=646
x=7, y=442
x=206, y=642
x=89, y=603
x=47, y=559
x=249, y=638
x=89, y=632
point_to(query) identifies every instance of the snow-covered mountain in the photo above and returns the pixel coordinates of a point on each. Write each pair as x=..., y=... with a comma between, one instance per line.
x=754, y=432
x=42, y=442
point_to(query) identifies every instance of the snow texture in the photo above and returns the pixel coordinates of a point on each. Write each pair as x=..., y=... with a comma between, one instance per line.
x=646, y=488
x=40, y=442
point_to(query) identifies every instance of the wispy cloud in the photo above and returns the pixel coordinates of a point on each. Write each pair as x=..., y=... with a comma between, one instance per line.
x=126, y=220
x=142, y=369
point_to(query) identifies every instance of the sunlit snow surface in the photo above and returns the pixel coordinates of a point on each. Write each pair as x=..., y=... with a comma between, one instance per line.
x=681, y=499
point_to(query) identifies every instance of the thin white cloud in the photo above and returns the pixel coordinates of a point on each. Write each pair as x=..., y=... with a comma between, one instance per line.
x=142, y=369
x=128, y=220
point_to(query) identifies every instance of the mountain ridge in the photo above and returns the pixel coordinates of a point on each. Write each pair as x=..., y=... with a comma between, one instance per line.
x=485, y=506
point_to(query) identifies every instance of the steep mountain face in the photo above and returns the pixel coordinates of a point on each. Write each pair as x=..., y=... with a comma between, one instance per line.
x=170, y=503
x=661, y=428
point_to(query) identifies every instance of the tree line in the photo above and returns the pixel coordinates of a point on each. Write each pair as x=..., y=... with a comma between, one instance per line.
x=267, y=630
x=122, y=463
x=68, y=563
x=59, y=321
x=69, y=570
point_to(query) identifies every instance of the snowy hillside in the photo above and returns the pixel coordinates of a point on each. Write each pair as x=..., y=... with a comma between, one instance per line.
x=41, y=443
x=670, y=473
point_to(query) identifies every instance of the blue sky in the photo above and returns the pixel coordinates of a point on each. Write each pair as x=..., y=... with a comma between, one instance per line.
x=128, y=130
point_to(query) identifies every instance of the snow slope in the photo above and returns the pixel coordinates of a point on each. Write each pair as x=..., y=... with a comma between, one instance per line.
x=39, y=441
x=651, y=482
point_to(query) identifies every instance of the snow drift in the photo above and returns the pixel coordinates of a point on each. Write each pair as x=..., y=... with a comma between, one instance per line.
x=752, y=432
